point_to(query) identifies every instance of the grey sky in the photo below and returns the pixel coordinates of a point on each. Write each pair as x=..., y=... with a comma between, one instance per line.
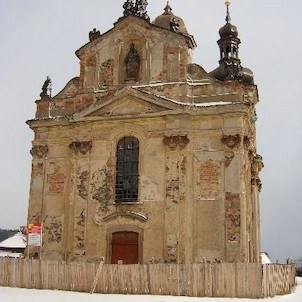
x=39, y=38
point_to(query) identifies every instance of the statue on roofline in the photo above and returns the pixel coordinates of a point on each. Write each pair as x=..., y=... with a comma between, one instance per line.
x=137, y=8
x=45, y=88
x=174, y=25
x=141, y=9
x=94, y=34
x=128, y=8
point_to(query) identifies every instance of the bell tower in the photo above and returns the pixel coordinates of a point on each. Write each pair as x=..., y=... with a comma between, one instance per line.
x=230, y=67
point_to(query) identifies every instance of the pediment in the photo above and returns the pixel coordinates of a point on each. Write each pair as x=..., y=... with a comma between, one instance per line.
x=128, y=103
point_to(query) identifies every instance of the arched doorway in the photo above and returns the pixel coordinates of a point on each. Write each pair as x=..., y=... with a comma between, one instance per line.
x=125, y=245
x=124, y=248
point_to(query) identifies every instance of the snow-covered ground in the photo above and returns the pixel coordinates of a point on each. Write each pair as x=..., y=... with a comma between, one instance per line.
x=32, y=295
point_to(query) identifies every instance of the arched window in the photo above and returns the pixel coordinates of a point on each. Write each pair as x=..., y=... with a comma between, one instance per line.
x=127, y=153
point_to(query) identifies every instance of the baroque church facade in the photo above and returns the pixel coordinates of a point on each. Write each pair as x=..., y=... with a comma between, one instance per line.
x=146, y=157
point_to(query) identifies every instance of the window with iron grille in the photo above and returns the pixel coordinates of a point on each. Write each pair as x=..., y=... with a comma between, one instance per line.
x=127, y=153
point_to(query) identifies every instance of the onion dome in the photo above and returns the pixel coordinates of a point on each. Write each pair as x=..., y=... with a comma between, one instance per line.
x=228, y=31
x=169, y=21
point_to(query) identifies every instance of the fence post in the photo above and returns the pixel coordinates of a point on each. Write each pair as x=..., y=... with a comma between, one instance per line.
x=148, y=279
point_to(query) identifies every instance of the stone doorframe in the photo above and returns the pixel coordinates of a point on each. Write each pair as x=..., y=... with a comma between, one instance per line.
x=124, y=228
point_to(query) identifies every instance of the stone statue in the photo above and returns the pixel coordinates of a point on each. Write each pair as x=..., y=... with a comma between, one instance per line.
x=137, y=8
x=233, y=70
x=94, y=34
x=141, y=9
x=132, y=62
x=174, y=25
x=128, y=8
x=45, y=88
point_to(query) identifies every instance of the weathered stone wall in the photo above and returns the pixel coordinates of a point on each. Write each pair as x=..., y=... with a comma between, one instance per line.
x=190, y=196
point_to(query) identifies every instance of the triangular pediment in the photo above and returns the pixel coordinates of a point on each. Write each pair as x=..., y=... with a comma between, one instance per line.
x=129, y=103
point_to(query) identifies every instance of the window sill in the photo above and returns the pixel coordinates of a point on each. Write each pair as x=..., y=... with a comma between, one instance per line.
x=127, y=203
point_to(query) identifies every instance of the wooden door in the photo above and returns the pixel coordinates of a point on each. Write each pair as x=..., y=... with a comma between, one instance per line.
x=124, y=248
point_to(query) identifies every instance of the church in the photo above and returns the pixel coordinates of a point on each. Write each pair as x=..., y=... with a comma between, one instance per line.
x=145, y=157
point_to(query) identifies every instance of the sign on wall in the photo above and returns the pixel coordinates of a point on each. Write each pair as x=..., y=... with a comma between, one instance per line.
x=35, y=234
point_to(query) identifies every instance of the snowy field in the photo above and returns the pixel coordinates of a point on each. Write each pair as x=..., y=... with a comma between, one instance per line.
x=31, y=295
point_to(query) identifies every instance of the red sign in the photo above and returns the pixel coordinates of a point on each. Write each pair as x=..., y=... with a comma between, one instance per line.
x=35, y=234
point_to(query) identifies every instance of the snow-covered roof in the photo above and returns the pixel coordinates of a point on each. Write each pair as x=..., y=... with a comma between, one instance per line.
x=10, y=254
x=16, y=241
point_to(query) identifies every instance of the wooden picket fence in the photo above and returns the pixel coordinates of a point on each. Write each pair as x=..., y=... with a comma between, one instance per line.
x=240, y=280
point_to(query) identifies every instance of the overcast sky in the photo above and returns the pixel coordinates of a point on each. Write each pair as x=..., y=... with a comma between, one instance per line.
x=39, y=38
